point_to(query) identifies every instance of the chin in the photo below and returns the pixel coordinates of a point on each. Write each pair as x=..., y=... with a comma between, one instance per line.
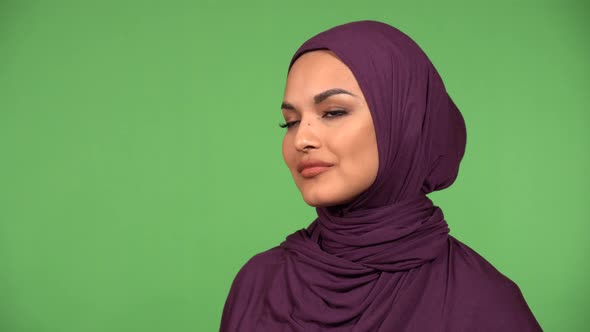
x=326, y=191
x=314, y=203
x=323, y=199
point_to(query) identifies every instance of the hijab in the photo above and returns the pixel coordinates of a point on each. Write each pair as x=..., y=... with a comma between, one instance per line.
x=384, y=261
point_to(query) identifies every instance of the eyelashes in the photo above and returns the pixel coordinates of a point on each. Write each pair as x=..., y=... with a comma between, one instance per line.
x=328, y=114
x=287, y=124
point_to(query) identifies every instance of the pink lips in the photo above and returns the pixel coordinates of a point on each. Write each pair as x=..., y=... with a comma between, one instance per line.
x=311, y=168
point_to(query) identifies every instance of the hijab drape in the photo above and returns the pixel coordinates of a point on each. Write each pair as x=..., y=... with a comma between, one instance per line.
x=385, y=261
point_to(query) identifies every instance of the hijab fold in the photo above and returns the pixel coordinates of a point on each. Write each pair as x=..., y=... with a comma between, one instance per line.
x=393, y=238
x=385, y=261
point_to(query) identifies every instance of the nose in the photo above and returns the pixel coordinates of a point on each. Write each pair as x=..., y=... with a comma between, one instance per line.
x=306, y=136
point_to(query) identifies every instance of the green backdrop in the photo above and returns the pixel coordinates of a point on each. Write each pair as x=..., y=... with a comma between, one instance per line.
x=140, y=162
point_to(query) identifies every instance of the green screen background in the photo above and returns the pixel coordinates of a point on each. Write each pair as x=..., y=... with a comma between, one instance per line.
x=141, y=166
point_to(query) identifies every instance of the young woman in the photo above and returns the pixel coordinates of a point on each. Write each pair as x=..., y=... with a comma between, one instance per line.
x=370, y=130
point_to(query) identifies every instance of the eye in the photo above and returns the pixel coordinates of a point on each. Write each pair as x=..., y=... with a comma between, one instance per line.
x=334, y=113
x=327, y=114
x=288, y=124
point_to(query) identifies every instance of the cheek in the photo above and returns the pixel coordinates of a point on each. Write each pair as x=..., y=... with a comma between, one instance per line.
x=368, y=146
x=357, y=150
x=354, y=143
x=288, y=152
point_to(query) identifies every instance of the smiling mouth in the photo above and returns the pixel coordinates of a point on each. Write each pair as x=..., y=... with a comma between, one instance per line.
x=310, y=172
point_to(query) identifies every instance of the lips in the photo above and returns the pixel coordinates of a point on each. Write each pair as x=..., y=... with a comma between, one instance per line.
x=311, y=168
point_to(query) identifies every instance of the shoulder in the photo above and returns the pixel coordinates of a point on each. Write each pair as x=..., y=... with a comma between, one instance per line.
x=248, y=288
x=484, y=294
x=260, y=265
x=472, y=264
x=256, y=273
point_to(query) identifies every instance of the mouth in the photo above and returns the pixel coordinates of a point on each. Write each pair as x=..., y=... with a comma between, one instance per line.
x=311, y=168
x=310, y=172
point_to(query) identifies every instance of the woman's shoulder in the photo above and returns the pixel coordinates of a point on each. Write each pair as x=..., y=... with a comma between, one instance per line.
x=263, y=261
x=474, y=266
x=260, y=267
x=476, y=274
x=248, y=286
x=498, y=298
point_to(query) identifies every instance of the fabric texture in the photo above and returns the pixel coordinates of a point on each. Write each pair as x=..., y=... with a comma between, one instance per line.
x=385, y=261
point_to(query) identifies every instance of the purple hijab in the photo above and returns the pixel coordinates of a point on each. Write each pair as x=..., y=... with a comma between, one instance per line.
x=385, y=261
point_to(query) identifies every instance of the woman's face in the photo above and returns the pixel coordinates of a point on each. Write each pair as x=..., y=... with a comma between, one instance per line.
x=330, y=145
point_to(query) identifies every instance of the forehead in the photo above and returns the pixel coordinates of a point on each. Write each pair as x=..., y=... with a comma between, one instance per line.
x=317, y=71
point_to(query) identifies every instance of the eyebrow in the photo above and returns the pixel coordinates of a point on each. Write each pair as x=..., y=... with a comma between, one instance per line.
x=320, y=97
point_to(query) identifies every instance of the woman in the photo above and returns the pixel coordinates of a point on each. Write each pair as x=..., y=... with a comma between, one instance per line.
x=370, y=130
